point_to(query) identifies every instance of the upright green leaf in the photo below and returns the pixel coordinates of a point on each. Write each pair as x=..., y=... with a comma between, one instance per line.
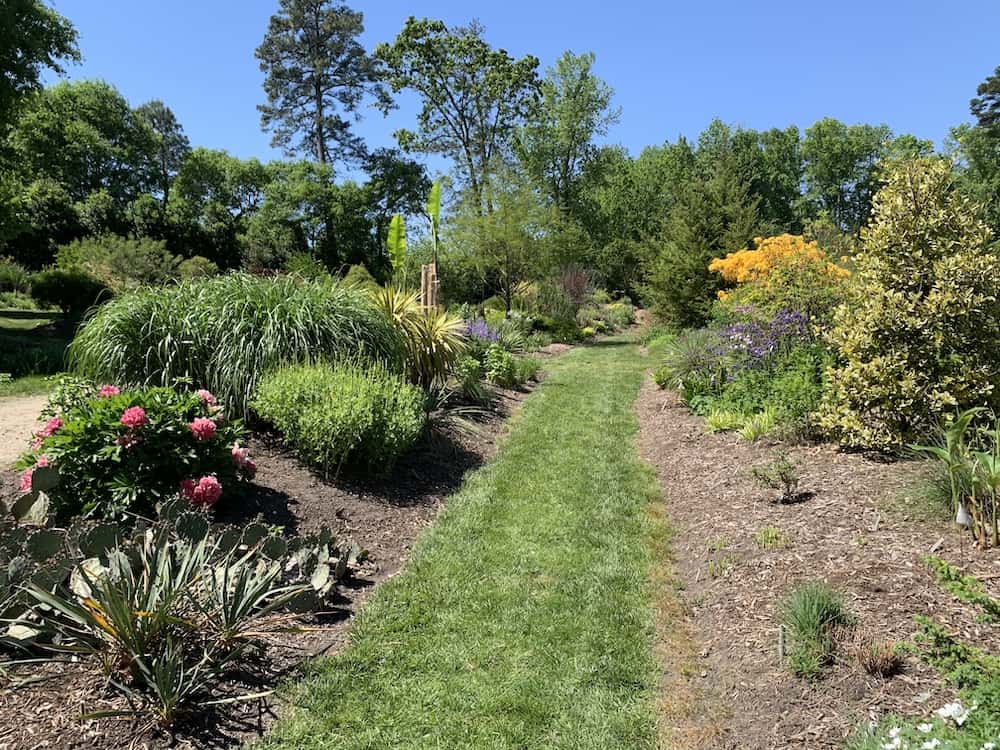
x=396, y=242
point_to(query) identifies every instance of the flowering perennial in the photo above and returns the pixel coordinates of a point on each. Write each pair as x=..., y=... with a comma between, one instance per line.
x=202, y=428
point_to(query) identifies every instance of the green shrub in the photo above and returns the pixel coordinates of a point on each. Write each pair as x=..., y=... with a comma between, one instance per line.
x=16, y=301
x=13, y=277
x=359, y=276
x=468, y=374
x=526, y=369
x=588, y=332
x=124, y=452
x=120, y=263
x=500, y=367
x=73, y=292
x=620, y=314
x=197, y=267
x=810, y=615
x=224, y=331
x=919, y=337
x=358, y=416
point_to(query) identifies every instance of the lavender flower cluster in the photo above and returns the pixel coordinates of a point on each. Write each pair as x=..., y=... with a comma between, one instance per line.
x=752, y=343
x=480, y=329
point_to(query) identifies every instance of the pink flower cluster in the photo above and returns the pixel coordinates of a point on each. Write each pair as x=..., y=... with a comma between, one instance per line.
x=206, y=491
x=206, y=397
x=107, y=391
x=135, y=417
x=42, y=460
x=241, y=456
x=51, y=428
x=202, y=428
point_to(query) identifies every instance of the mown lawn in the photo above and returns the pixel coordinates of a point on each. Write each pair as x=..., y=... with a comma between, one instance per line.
x=524, y=619
x=32, y=345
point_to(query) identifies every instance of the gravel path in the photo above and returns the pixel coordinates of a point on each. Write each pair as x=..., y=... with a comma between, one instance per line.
x=18, y=420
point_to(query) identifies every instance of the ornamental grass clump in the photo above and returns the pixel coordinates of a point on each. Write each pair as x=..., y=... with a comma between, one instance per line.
x=345, y=415
x=224, y=332
x=811, y=615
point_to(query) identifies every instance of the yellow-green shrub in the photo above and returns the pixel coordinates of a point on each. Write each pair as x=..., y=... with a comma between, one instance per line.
x=920, y=337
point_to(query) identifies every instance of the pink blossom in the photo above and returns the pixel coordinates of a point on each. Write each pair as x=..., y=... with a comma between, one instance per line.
x=43, y=460
x=250, y=467
x=107, y=391
x=202, y=428
x=240, y=454
x=135, y=417
x=26, y=480
x=51, y=427
x=206, y=397
x=206, y=491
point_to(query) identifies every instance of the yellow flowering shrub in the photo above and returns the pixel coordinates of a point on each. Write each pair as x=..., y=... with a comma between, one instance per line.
x=780, y=273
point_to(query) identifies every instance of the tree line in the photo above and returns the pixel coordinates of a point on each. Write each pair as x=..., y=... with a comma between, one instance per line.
x=531, y=189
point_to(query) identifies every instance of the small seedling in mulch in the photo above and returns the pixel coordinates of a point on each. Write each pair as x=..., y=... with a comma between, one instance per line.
x=876, y=655
x=719, y=568
x=811, y=615
x=782, y=475
x=770, y=537
x=719, y=543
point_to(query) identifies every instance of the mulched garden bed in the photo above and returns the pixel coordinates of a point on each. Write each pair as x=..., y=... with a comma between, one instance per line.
x=382, y=516
x=852, y=528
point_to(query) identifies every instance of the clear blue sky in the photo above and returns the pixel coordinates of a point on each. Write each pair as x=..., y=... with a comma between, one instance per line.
x=913, y=64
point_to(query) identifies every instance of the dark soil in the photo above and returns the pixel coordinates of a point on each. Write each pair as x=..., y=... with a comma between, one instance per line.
x=853, y=528
x=383, y=516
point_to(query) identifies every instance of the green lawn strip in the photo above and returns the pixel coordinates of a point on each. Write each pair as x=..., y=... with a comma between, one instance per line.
x=29, y=385
x=524, y=619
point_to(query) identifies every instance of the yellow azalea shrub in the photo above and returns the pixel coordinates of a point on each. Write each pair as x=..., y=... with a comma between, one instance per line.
x=782, y=272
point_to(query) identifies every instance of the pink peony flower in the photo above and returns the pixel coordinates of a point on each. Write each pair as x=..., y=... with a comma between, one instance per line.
x=206, y=397
x=43, y=460
x=134, y=417
x=250, y=467
x=202, y=428
x=51, y=427
x=240, y=454
x=206, y=491
x=26, y=480
x=107, y=391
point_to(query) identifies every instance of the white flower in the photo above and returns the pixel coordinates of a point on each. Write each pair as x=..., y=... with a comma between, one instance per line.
x=897, y=741
x=931, y=744
x=925, y=728
x=894, y=732
x=956, y=712
x=989, y=746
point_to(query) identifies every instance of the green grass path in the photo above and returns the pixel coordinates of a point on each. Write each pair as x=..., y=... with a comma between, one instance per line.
x=524, y=619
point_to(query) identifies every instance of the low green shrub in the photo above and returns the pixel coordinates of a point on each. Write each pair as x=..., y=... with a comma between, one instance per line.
x=13, y=276
x=197, y=267
x=17, y=301
x=73, y=292
x=694, y=363
x=469, y=376
x=116, y=452
x=357, y=416
x=526, y=369
x=620, y=314
x=359, y=276
x=500, y=367
x=223, y=332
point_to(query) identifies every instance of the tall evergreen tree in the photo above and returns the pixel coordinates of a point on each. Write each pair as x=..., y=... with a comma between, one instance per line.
x=317, y=75
x=713, y=216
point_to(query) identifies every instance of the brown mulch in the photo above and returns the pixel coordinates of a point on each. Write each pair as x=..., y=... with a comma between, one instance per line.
x=383, y=516
x=851, y=527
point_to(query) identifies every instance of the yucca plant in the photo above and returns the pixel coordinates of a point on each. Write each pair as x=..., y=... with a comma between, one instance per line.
x=434, y=340
x=223, y=332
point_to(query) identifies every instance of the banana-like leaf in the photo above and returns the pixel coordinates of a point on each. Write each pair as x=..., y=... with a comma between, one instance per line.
x=434, y=205
x=396, y=242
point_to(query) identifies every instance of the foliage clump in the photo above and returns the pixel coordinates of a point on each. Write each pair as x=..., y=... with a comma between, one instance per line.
x=114, y=452
x=919, y=338
x=222, y=332
x=354, y=416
